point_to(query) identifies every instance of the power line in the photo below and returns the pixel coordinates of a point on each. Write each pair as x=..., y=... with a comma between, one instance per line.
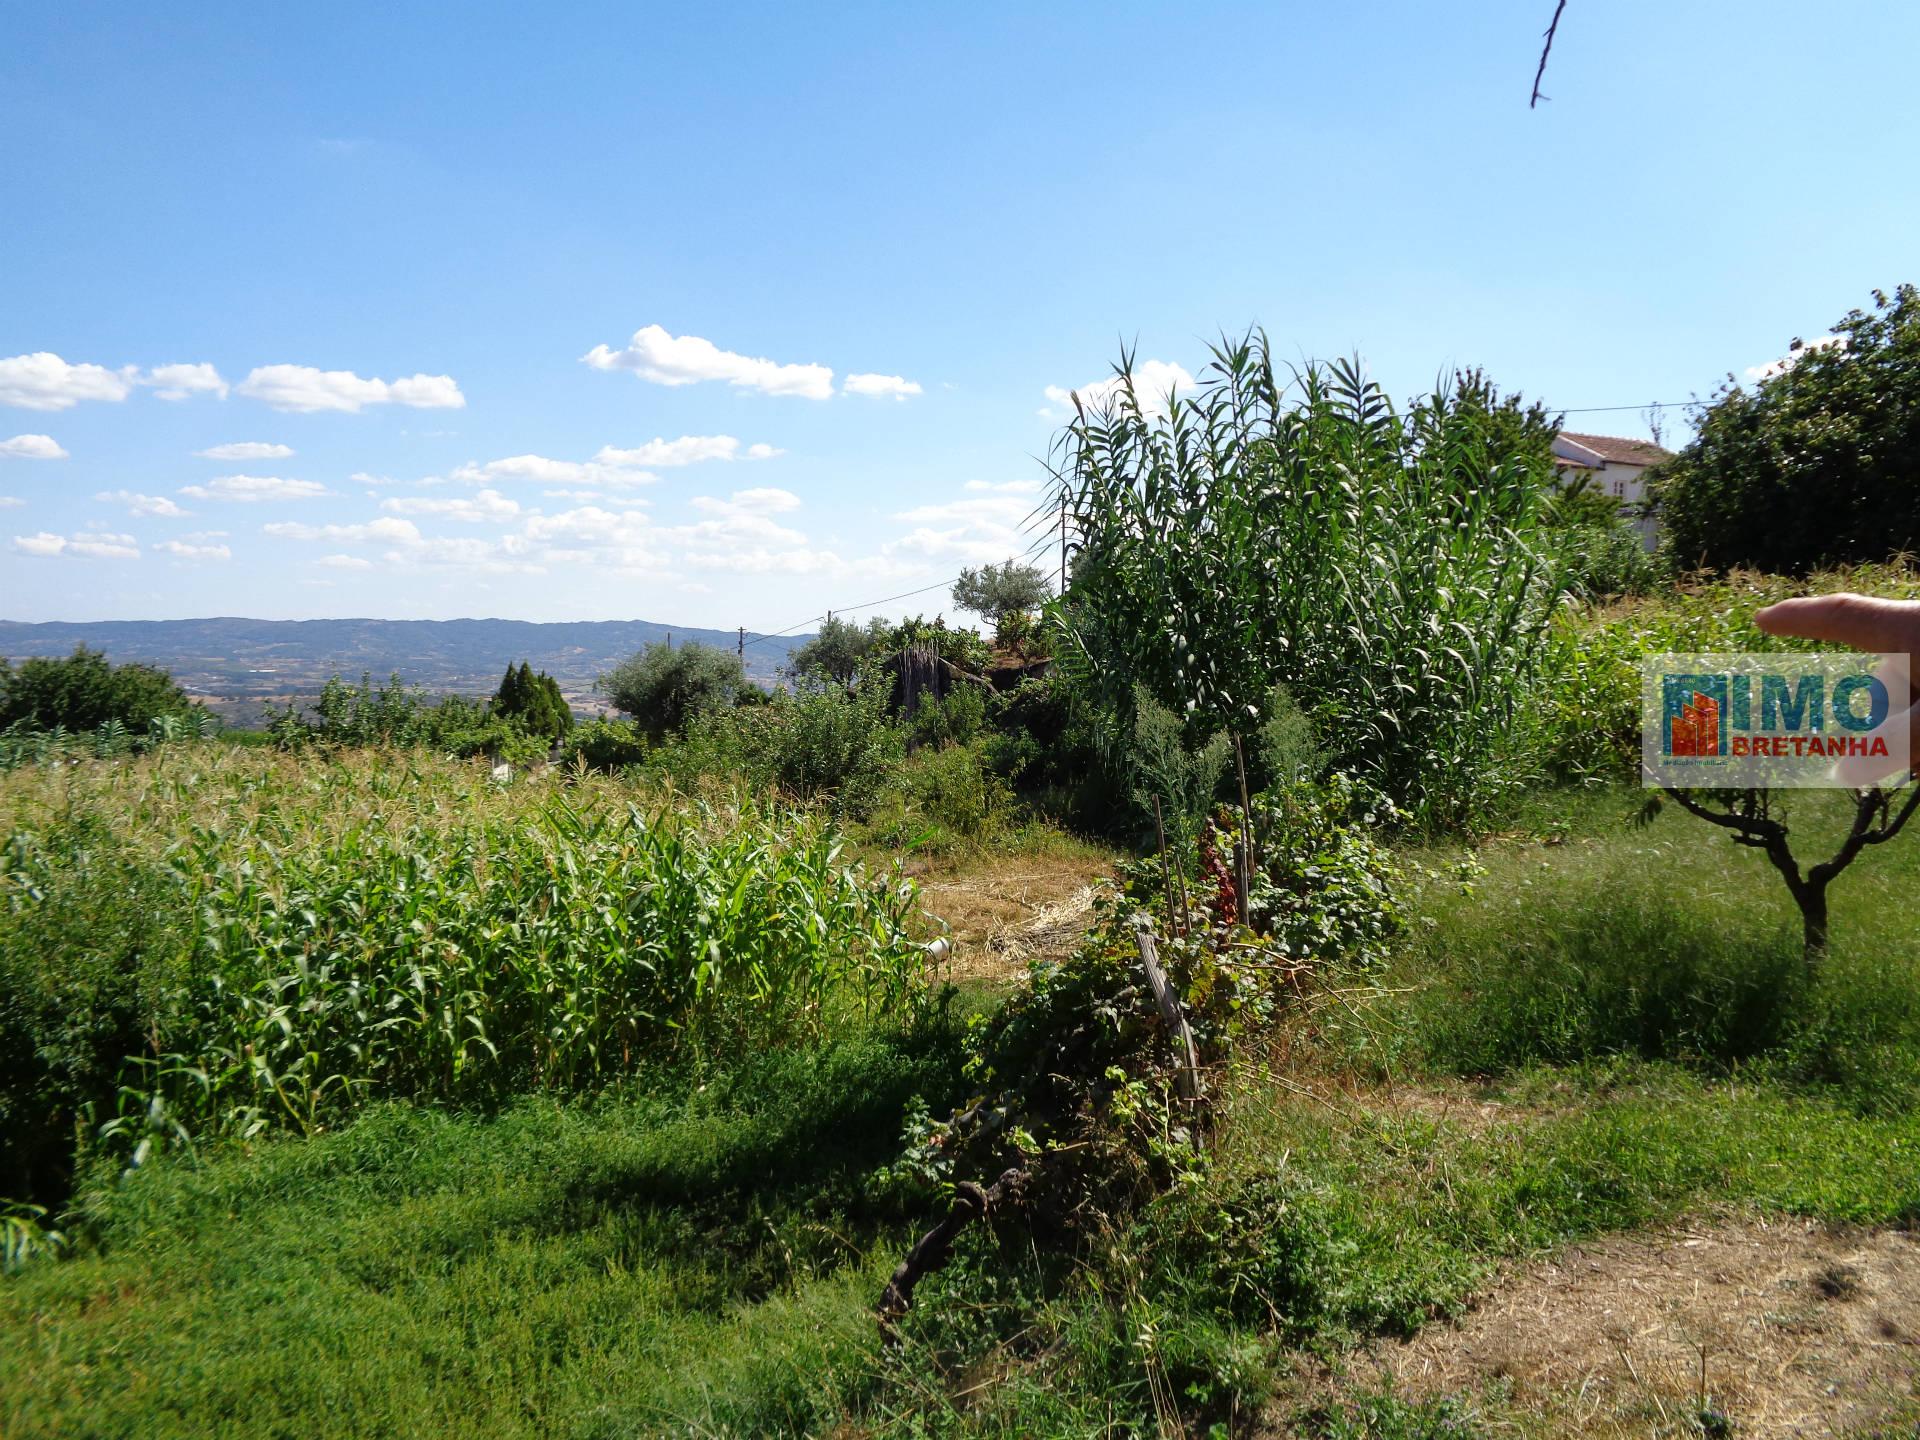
x=946, y=584
x=1045, y=538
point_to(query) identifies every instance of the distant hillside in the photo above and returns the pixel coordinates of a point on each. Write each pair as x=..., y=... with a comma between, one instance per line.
x=239, y=664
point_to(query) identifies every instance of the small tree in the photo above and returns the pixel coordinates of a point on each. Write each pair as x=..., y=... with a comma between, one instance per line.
x=997, y=591
x=664, y=689
x=839, y=650
x=1749, y=815
x=534, y=701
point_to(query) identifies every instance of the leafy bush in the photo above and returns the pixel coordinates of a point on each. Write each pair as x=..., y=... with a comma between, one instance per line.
x=1813, y=466
x=1598, y=562
x=92, y=945
x=400, y=715
x=955, y=718
x=940, y=799
x=85, y=692
x=665, y=689
x=839, y=649
x=608, y=745
x=824, y=741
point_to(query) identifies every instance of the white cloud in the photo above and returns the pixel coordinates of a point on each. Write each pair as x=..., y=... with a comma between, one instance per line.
x=487, y=506
x=247, y=450
x=1152, y=380
x=544, y=471
x=138, y=504
x=11, y=502
x=182, y=382
x=384, y=530
x=254, y=488
x=983, y=529
x=764, y=500
x=344, y=562
x=881, y=385
x=1003, y=487
x=305, y=390
x=94, y=545
x=997, y=510
x=1786, y=362
x=687, y=450
x=184, y=550
x=666, y=359
x=31, y=447
x=43, y=381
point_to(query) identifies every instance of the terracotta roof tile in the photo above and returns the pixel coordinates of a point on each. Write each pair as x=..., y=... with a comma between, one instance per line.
x=1618, y=449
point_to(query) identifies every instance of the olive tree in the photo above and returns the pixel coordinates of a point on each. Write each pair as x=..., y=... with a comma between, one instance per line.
x=664, y=689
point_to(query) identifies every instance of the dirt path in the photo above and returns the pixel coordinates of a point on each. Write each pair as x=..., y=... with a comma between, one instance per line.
x=1800, y=1330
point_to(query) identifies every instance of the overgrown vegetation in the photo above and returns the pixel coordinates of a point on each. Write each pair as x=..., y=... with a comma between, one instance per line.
x=1809, y=467
x=605, y=1096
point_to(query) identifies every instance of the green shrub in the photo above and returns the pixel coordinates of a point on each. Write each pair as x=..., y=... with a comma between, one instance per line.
x=955, y=718
x=607, y=745
x=1598, y=562
x=666, y=688
x=93, y=940
x=939, y=800
x=825, y=741
x=84, y=692
x=1812, y=466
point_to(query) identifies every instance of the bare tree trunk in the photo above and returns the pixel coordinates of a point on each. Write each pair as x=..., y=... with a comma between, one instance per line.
x=1812, y=899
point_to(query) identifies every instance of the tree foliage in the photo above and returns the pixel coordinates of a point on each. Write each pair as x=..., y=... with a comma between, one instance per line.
x=996, y=591
x=1813, y=466
x=534, y=701
x=82, y=691
x=839, y=650
x=665, y=688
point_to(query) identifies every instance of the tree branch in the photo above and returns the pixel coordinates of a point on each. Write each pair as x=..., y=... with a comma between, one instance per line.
x=1545, y=50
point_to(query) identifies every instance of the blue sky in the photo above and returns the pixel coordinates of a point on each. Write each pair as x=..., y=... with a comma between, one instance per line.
x=526, y=311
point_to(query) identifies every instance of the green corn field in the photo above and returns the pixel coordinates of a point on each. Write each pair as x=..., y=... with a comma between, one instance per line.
x=273, y=942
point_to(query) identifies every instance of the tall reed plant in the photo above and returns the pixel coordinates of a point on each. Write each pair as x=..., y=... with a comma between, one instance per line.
x=1298, y=529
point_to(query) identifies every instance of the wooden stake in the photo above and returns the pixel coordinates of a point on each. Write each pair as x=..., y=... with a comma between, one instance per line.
x=1187, y=1080
x=1166, y=875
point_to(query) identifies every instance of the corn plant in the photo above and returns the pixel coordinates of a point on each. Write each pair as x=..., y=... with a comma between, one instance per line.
x=393, y=926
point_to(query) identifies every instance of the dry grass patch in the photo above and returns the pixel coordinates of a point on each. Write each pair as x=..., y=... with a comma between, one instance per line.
x=1006, y=910
x=1784, y=1329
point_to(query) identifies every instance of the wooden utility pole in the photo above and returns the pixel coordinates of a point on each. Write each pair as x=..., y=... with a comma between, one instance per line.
x=741, y=650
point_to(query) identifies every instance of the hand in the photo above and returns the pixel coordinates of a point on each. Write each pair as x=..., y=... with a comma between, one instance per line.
x=1867, y=623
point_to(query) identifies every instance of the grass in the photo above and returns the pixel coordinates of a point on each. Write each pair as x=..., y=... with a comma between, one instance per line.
x=1589, y=936
x=699, y=1258
x=1593, y=1028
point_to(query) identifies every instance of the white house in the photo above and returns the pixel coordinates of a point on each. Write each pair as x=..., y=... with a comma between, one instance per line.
x=1614, y=466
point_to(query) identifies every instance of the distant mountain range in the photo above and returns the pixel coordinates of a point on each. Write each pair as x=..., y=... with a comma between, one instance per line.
x=239, y=665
